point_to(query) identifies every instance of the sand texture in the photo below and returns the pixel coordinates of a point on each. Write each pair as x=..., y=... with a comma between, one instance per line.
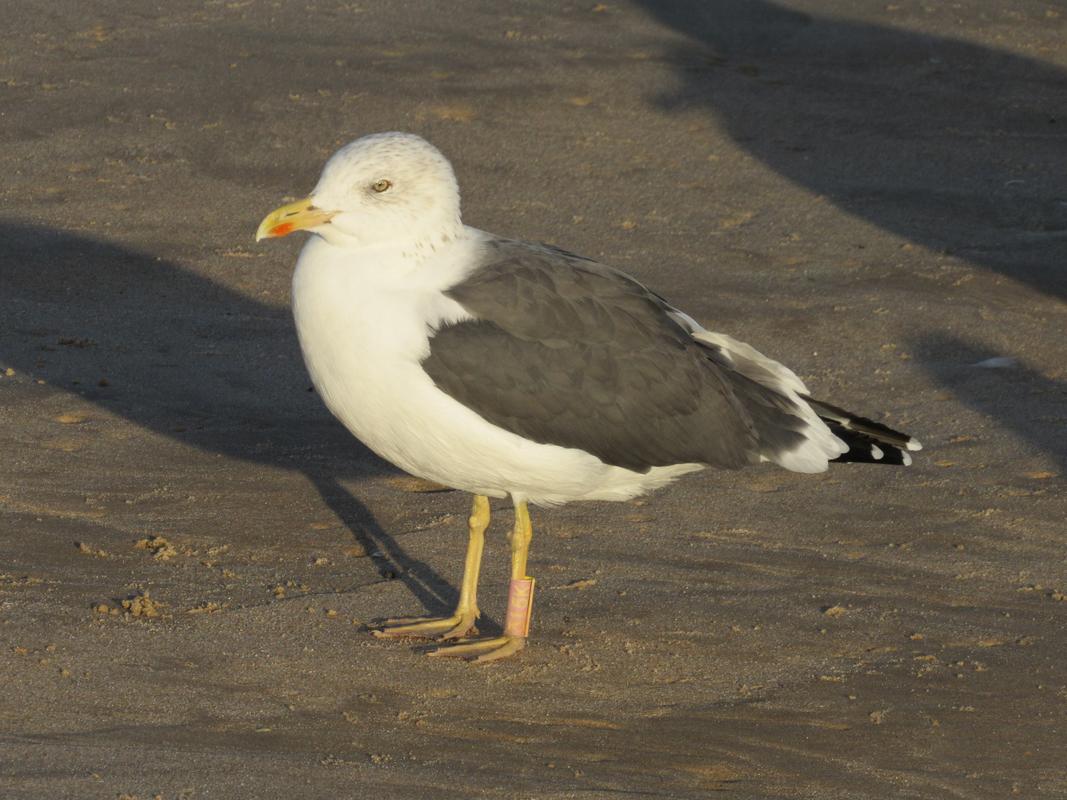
x=191, y=547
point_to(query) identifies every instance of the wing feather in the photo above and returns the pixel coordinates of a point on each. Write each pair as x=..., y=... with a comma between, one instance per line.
x=568, y=352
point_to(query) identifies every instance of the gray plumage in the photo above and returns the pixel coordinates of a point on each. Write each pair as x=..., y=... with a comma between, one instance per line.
x=565, y=351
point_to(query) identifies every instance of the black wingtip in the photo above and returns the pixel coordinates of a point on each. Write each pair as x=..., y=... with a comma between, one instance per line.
x=865, y=437
x=863, y=449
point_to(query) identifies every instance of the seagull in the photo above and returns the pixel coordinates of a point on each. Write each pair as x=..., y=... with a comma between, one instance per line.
x=509, y=369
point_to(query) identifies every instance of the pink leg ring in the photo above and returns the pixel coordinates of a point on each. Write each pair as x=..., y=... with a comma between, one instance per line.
x=520, y=607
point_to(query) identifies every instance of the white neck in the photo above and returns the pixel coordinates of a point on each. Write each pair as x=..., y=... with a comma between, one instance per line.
x=432, y=262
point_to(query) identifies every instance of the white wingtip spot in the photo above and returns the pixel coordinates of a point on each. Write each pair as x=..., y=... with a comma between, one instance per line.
x=876, y=451
x=906, y=458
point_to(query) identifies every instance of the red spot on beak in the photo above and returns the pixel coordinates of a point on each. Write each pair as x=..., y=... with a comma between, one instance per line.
x=282, y=230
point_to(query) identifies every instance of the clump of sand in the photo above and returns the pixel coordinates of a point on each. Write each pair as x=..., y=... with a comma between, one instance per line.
x=160, y=548
x=137, y=605
x=89, y=550
x=141, y=605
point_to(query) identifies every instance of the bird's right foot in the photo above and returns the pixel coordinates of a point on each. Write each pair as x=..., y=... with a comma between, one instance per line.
x=455, y=626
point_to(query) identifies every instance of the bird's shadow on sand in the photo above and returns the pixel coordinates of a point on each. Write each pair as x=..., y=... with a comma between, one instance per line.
x=182, y=356
x=952, y=145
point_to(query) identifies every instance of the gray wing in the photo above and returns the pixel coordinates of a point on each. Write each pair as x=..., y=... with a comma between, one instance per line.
x=566, y=351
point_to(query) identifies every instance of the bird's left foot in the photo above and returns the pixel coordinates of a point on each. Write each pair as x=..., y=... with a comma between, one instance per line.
x=483, y=650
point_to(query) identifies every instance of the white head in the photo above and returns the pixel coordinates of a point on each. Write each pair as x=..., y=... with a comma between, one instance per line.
x=380, y=188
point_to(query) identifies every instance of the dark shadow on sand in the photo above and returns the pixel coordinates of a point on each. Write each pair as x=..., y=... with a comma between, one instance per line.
x=955, y=146
x=184, y=357
x=1016, y=397
x=390, y=559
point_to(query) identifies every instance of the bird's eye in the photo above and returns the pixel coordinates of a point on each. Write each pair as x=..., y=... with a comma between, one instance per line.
x=381, y=185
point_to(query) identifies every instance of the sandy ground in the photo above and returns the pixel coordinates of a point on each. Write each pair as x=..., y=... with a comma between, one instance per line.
x=872, y=192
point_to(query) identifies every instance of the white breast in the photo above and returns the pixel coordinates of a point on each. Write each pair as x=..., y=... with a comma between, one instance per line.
x=364, y=319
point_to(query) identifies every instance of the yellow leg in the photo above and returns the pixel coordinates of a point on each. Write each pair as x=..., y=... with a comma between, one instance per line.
x=462, y=621
x=520, y=603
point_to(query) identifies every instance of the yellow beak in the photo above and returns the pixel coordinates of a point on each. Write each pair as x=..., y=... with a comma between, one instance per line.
x=298, y=216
